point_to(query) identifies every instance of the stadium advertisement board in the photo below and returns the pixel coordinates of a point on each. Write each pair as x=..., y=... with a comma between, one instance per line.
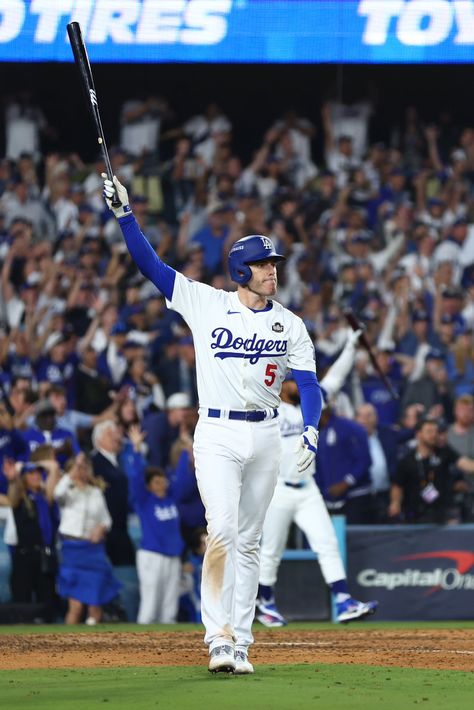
x=415, y=572
x=257, y=31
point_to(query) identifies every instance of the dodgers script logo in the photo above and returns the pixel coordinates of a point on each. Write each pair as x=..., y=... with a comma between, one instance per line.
x=251, y=349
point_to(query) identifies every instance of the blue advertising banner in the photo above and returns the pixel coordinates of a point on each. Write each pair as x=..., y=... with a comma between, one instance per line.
x=257, y=31
x=416, y=572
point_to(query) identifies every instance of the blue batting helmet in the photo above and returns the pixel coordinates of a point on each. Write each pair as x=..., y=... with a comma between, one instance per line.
x=248, y=250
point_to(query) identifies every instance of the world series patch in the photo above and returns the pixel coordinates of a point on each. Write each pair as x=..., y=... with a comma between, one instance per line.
x=277, y=328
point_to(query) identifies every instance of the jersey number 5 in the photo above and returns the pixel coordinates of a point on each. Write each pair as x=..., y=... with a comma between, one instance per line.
x=270, y=374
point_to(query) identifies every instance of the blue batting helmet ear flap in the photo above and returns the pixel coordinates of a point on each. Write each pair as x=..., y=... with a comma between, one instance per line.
x=246, y=251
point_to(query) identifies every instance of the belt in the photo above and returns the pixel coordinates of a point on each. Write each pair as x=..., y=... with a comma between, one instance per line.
x=301, y=484
x=253, y=415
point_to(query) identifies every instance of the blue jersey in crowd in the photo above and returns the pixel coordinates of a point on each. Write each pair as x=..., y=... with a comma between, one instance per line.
x=12, y=446
x=159, y=519
x=376, y=393
x=59, y=374
x=62, y=440
x=343, y=455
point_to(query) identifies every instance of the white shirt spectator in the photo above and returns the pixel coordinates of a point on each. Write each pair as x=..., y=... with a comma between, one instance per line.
x=30, y=209
x=66, y=214
x=82, y=509
x=451, y=252
x=352, y=120
x=378, y=469
x=202, y=131
x=141, y=135
x=341, y=165
x=300, y=138
x=23, y=125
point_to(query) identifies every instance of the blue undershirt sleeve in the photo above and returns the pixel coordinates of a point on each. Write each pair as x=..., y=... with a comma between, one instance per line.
x=144, y=256
x=311, y=397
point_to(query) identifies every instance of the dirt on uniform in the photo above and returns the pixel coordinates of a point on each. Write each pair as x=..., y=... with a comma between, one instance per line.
x=443, y=649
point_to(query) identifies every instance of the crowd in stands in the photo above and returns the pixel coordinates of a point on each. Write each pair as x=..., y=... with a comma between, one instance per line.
x=98, y=381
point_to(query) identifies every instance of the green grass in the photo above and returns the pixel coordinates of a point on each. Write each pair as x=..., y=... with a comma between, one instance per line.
x=295, y=626
x=331, y=687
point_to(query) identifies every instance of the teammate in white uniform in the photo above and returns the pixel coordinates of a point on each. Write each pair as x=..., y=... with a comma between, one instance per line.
x=245, y=343
x=297, y=498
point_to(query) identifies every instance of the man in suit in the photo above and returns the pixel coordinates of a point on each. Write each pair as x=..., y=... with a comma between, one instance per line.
x=107, y=440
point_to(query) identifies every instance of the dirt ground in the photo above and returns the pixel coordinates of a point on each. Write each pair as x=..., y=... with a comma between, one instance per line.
x=418, y=648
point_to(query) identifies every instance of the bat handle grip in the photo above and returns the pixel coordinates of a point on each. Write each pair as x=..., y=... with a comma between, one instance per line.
x=115, y=200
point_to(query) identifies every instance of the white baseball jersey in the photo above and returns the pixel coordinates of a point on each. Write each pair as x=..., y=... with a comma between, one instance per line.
x=291, y=427
x=304, y=506
x=242, y=356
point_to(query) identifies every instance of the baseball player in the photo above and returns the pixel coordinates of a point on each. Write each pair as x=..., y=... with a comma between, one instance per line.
x=245, y=343
x=297, y=498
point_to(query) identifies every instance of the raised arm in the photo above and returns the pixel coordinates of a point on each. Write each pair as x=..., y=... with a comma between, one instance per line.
x=337, y=373
x=15, y=491
x=52, y=480
x=141, y=251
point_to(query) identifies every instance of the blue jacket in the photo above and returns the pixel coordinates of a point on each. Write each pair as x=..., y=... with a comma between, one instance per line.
x=185, y=491
x=343, y=455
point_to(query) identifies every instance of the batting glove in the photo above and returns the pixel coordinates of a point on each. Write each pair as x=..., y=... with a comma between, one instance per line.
x=110, y=188
x=353, y=338
x=307, y=447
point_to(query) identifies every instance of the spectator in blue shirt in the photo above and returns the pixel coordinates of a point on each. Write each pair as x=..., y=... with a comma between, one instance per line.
x=418, y=333
x=213, y=236
x=46, y=431
x=12, y=447
x=343, y=468
x=159, y=556
x=58, y=366
x=375, y=391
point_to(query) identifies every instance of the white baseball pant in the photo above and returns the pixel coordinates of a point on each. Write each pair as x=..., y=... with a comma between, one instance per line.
x=305, y=506
x=236, y=470
x=159, y=577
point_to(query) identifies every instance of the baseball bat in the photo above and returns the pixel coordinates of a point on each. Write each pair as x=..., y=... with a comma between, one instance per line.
x=355, y=325
x=81, y=60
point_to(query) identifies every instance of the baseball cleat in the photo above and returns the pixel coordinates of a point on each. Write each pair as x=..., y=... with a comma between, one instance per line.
x=222, y=660
x=351, y=609
x=242, y=663
x=268, y=615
